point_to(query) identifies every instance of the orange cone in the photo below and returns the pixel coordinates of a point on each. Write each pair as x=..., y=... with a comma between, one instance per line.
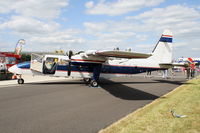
x=14, y=77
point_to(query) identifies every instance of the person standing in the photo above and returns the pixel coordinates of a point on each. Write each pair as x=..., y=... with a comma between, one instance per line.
x=188, y=72
x=192, y=66
x=165, y=74
x=148, y=73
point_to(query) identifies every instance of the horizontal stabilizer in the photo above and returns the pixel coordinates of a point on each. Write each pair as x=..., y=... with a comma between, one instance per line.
x=121, y=54
x=175, y=64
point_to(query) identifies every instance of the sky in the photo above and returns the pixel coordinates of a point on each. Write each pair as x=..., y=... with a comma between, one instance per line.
x=78, y=25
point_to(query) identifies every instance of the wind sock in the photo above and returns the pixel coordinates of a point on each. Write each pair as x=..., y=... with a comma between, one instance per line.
x=19, y=45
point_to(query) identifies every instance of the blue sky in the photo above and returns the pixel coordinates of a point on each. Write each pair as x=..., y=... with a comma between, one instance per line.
x=48, y=25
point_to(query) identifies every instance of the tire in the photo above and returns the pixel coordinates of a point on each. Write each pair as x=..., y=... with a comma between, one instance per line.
x=20, y=81
x=87, y=80
x=94, y=83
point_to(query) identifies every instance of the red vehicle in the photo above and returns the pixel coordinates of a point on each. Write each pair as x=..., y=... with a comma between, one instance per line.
x=9, y=59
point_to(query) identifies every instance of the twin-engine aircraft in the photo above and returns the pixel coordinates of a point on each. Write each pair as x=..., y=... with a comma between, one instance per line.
x=92, y=65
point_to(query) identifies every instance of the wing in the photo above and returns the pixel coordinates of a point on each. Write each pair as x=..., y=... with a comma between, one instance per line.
x=120, y=54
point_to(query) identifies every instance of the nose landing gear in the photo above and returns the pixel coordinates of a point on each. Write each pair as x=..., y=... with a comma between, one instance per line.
x=20, y=80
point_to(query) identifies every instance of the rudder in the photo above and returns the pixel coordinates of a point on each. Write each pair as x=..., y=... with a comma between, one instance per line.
x=162, y=53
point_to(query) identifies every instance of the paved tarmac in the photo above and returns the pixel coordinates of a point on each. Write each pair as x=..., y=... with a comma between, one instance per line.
x=73, y=107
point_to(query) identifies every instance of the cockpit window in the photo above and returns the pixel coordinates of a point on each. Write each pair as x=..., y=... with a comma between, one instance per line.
x=10, y=60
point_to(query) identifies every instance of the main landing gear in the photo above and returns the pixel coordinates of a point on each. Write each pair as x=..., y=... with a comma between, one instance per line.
x=92, y=83
x=20, y=80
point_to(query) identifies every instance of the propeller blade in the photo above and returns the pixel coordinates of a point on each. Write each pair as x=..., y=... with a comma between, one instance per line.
x=69, y=67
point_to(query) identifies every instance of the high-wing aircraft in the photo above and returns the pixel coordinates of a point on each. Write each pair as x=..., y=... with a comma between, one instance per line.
x=93, y=64
x=185, y=60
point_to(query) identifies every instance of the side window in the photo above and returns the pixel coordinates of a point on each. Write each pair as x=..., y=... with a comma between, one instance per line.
x=63, y=62
x=51, y=59
x=50, y=62
x=36, y=58
x=50, y=65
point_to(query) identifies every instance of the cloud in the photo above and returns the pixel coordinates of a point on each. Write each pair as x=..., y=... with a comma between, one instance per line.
x=41, y=35
x=180, y=44
x=6, y=6
x=55, y=39
x=179, y=18
x=35, y=22
x=58, y=37
x=196, y=49
x=147, y=27
x=110, y=26
x=119, y=7
x=29, y=26
x=116, y=35
x=108, y=34
x=43, y=9
x=90, y=26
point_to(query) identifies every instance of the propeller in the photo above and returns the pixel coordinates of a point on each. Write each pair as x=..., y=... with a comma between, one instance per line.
x=69, y=67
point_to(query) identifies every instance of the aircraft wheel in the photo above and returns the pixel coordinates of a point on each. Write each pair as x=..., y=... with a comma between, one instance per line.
x=87, y=80
x=20, y=81
x=94, y=83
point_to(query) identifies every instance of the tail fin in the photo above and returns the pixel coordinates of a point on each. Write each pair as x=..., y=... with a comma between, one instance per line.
x=191, y=63
x=162, y=53
x=18, y=47
x=190, y=60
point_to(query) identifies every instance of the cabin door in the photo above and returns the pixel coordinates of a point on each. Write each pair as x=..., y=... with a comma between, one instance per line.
x=50, y=65
x=36, y=62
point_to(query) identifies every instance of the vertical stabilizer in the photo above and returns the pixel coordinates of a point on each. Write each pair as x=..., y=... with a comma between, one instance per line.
x=162, y=53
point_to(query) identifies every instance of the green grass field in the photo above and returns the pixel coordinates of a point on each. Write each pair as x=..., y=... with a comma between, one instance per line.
x=157, y=118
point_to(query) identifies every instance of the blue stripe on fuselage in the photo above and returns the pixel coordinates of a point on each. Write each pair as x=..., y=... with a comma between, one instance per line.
x=166, y=39
x=88, y=67
x=24, y=65
x=108, y=69
x=126, y=69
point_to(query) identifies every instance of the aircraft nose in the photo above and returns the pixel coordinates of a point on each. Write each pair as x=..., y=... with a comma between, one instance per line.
x=14, y=69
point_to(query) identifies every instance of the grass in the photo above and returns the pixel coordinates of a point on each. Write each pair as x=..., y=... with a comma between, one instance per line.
x=156, y=117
